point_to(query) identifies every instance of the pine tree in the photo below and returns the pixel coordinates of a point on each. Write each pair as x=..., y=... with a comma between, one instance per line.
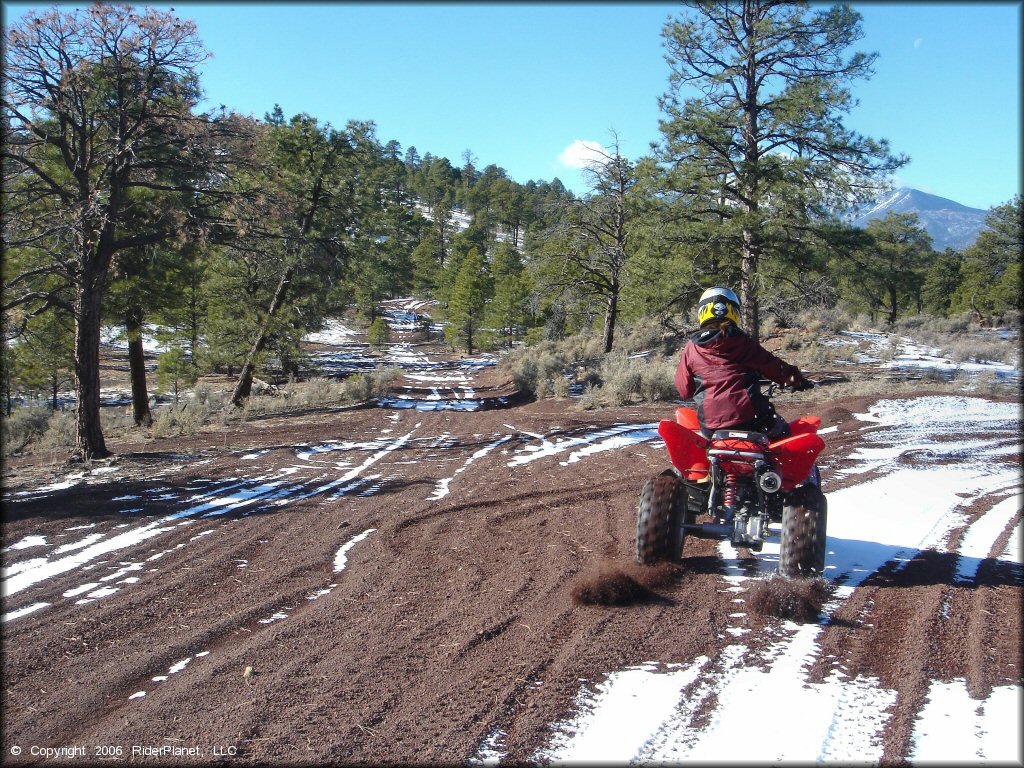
x=98, y=107
x=762, y=150
x=468, y=301
x=991, y=271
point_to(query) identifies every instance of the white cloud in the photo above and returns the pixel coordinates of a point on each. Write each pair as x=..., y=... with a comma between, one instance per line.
x=583, y=154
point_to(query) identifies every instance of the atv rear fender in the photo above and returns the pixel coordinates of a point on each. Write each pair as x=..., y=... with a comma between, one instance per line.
x=687, y=449
x=794, y=455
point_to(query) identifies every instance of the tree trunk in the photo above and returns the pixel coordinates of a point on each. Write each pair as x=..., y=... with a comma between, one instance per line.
x=750, y=314
x=892, y=306
x=609, y=321
x=89, y=443
x=137, y=367
x=244, y=386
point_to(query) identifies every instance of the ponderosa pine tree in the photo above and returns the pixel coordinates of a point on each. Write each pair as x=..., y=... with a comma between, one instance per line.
x=886, y=264
x=300, y=221
x=990, y=284
x=762, y=145
x=595, y=237
x=468, y=301
x=97, y=105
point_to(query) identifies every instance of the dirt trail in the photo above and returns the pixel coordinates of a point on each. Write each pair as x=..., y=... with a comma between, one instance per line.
x=394, y=585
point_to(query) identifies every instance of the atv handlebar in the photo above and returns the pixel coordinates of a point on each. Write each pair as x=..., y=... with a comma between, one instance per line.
x=773, y=386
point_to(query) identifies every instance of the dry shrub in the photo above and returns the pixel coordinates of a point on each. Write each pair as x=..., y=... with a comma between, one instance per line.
x=825, y=320
x=797, y=599
x=608, y=583
x=537, y=370
x=24, y=426
x=360, y=387
x=640, y=335
x=184, y=419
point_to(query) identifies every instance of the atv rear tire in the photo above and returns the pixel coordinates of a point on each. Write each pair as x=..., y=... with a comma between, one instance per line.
x=804, y=520
x=659, y=532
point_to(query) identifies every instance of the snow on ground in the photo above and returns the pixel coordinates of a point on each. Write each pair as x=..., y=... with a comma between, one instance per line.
x=334, y=332
x=589, y=443
x=115, y=336
x=955, y=729
x=909, y=355
x=890, y=518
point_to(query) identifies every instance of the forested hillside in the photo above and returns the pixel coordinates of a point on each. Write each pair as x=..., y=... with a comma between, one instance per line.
x=237, y=236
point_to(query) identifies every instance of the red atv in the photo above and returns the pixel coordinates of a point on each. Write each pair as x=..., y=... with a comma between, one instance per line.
x=740, y=483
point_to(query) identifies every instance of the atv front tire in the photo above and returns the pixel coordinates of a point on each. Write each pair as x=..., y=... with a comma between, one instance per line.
x=804, y=520
x=659, y=532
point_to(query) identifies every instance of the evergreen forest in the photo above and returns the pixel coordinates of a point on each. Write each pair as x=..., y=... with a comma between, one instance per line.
x=236, y=236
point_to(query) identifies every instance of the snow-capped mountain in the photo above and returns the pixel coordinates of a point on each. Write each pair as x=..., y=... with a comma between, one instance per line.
x=950, y=224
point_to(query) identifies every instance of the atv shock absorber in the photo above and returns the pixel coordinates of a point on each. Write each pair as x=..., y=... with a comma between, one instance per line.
x=729, y=494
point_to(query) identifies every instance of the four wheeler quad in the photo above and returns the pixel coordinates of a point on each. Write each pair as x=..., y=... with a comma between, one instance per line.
x=740, y=483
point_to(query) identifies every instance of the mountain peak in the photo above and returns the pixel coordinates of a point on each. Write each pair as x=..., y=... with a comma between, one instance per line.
x=950, y=224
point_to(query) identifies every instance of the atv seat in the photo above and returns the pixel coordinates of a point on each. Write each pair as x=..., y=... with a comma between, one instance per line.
x=758, y=438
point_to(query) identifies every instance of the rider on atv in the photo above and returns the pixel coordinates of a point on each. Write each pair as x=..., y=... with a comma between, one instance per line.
x=721, y=367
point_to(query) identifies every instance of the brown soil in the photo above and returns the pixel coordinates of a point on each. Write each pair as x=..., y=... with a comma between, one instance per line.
x=479, y=611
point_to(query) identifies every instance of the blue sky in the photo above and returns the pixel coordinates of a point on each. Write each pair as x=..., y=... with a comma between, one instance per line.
x=519, y=84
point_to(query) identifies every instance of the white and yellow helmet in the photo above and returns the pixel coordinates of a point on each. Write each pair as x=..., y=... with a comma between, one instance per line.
x=717, y=305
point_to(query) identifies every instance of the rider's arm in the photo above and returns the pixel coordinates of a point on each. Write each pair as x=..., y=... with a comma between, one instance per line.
x=772, y=367
x=684, y=377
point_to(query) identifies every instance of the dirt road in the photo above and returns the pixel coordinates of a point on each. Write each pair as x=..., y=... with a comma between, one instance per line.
x=391, y=585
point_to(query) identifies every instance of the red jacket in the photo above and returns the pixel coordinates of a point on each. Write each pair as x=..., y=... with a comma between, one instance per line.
x=719, y=370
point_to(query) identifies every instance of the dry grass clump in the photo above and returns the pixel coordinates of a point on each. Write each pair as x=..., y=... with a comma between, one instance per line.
x=608, y=583
x=540, y=371
x=183, y=418
x=641, y=367
x=825, y=320
x=23, y=427
x=798, y=600
x=36, y=429
x=363, y=386
x=621, y=379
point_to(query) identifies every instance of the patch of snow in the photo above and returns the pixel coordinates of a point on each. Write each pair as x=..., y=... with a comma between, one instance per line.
x=611, y=727
x=491, y=750
x=606, y=439
x=276, y=617
x=81, y=589
x=954, y=729
x=27, y=542
x=334, y=333
x=443, y=487
x=341, y=558
x=17, y=614
x=977, y=542
x=90, y=539
x=178, y=666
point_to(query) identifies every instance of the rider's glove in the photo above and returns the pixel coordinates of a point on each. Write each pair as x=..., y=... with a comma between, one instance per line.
x=800, y=384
